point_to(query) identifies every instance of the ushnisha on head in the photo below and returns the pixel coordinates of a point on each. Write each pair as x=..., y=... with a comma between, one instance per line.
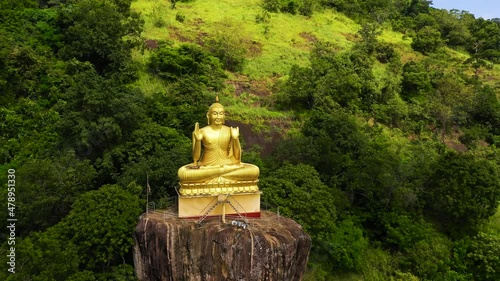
x=216, y=113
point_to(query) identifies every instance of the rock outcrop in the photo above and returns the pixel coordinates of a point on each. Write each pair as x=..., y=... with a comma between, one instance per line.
x=271, y=248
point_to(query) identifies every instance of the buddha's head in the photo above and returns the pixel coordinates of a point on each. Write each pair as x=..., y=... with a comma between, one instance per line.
x=216, y=114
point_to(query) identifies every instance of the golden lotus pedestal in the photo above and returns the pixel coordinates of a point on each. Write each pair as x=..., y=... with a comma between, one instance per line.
x=244, y=204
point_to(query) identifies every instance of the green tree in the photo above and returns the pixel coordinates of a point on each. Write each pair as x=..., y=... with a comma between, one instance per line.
x=292, y=185
x=26, y=55
x=338, y=142
x=449, y=102
x=371, y=10
x=295, y=150
x=378, y=264
x=393, y=113
x=416, y=81
x=368, y=33
x=28, y=131
x=386, y=53
x=483, y=257
x=427, y=40
x=417, y=7
x=17, y=5
x=373, y=179
x=100, y=32
x=184, y=101
x=230, y=43
x=155, y=151
x=101, y=223
x=346, y=246
x=45, y=256
x=89, y=244
x=345, y=78
x=299, y=193
x=485, y=40
x=462, y=192
x=454, y=27
x=425, y=251
x=174, y=64
x=425, y=19
x=97, y=113
x=302, y=97
x=485, y=109
x=50, y=187
x=303, y=7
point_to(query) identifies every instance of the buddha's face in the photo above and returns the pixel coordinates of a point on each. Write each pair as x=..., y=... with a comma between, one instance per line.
x=216, y=115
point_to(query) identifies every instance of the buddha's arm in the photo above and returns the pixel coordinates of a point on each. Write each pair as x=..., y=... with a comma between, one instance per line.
x=196, y=150
x=236, y=147
x=235, y=143
x=197, y=137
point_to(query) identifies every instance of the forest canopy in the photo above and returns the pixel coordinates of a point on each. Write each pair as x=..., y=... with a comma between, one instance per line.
x=383, y=144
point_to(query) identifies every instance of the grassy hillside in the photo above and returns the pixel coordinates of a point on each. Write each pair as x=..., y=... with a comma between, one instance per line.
x=276, y=41
x=281, y=41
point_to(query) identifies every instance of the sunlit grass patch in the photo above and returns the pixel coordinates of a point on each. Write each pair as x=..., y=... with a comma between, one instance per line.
x=286, y=39
x=150, y=84
x=279, y=41
x=493, y=224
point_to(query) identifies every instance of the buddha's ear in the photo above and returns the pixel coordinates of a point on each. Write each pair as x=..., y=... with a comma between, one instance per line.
x=208, y=119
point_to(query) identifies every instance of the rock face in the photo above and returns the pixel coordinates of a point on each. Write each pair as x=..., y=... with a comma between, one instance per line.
x=271, y=248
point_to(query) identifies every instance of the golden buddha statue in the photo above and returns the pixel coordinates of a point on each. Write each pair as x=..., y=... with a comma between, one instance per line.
x=217, y=166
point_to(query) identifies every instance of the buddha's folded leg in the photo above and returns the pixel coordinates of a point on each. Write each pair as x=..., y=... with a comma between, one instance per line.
x=240, y=172
x=246, y=172
x=202, y=174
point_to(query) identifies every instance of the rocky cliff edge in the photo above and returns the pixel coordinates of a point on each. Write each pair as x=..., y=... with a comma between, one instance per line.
x=271, y=248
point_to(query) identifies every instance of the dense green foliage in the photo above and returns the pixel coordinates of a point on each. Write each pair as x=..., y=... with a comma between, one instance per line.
x=430, y=28
x=463, y=191
x=173, y=64
x=391, y=163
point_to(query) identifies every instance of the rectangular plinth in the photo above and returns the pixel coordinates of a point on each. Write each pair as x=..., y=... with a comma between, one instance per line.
x=245, y=204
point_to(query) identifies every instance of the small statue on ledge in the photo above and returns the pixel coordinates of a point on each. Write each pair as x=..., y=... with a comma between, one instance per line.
x=217, y=166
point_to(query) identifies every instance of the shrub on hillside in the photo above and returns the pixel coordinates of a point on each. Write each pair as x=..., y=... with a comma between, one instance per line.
x=230, y=43
x=188, y=60
x=303, y=7
x=427, y=40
